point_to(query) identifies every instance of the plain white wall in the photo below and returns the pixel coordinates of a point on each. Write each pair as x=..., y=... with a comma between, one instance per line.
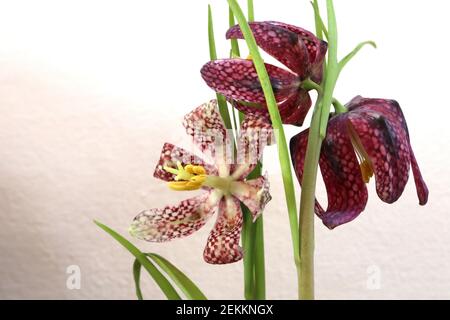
x=90, y=91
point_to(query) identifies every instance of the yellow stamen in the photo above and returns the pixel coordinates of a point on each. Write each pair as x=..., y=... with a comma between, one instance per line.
x=365, y=165
x=366, y=170
x=188, y=178
x=199, y=170
x=249, y=57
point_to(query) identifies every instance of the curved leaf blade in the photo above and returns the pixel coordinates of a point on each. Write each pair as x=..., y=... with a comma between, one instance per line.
x=164, y=284
x=137, y=278
x=179, y=278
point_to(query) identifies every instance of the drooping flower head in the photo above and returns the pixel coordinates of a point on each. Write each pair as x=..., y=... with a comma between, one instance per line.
x=371, y=138
x=223, y=183
x=298, y=49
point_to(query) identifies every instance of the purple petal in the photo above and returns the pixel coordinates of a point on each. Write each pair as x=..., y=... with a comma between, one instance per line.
x=281, y=43
x=237, y=79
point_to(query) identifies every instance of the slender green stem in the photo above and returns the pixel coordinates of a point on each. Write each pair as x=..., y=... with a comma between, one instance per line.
x=316, y=133
x=283, y=151
x=259, y=258
x=248, y=244
x=321, y=30
x=250, y=11
x=311, y=85
x=339, y=107
x=260, y=270
x=332, y=70
x=221, y=101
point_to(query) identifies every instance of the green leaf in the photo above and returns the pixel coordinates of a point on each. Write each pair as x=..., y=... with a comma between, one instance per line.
x=179, y=278
x=321, y=29
x=137, y=278
x=355, y=51
x=251, y=11
x=283, y=151
x=164, y=284
x=221, y=101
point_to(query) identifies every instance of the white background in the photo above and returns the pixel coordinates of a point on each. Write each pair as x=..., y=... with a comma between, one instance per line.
x=90, y=91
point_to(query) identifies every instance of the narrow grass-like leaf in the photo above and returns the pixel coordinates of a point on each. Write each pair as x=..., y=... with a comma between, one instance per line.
x=179, y=278
x=221, y=101
x=137, y=278
x=250, y=11
x=355, y=51
x=164, y=284
x=235, y=52
x=283, y=151
x=321, y=29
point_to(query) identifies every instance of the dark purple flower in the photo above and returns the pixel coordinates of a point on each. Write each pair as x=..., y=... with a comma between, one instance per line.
x=371, y=138
x=296, y=48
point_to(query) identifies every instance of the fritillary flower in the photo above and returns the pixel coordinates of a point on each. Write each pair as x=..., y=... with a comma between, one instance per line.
x=371, y=138
x=223, y=183
x=298, y=49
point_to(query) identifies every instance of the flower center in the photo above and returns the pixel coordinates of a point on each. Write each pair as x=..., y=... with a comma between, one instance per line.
x=365, y=163
x=192, y=177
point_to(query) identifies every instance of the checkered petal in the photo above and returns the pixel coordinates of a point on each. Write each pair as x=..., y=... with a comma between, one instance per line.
x=281, y=43
x=422, y=189
x=172, y=154
x=256, y=133
x=253, y=193
x=237, y=79
x=159, y=225
x=223, y=242
x=346, y=190
x=317, y=48
x=204, y=124
x=294, y=110
x=383, y=131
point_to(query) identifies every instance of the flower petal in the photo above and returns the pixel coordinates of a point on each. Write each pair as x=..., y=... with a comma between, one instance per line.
x=294, y=110
x=281, y=43
x=172, y=154
x=253, y=193
x=256, y=133
x=346, y=190
x=237, y=80
x=317, y=48
x=422, y=189
x=205, y=126
x=159, y=225
x=382, y=130
x=223, y=242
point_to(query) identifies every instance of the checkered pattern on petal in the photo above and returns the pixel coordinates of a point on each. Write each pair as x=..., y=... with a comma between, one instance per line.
x=159, y=225
x=223, y=241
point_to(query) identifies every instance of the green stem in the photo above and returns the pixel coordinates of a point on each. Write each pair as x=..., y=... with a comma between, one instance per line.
x=321, y=30
x=250, y=11
x=248, y=244
x=308, y=84
x=258, y=225
x=339, y=107
x=283, y=151
x=332, y=71
x=316, y=134
x=260, y=270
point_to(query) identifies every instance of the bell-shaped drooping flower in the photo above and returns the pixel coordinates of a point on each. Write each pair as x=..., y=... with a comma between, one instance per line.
x=298, y=49
x=371, y=138
x=223, y=182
